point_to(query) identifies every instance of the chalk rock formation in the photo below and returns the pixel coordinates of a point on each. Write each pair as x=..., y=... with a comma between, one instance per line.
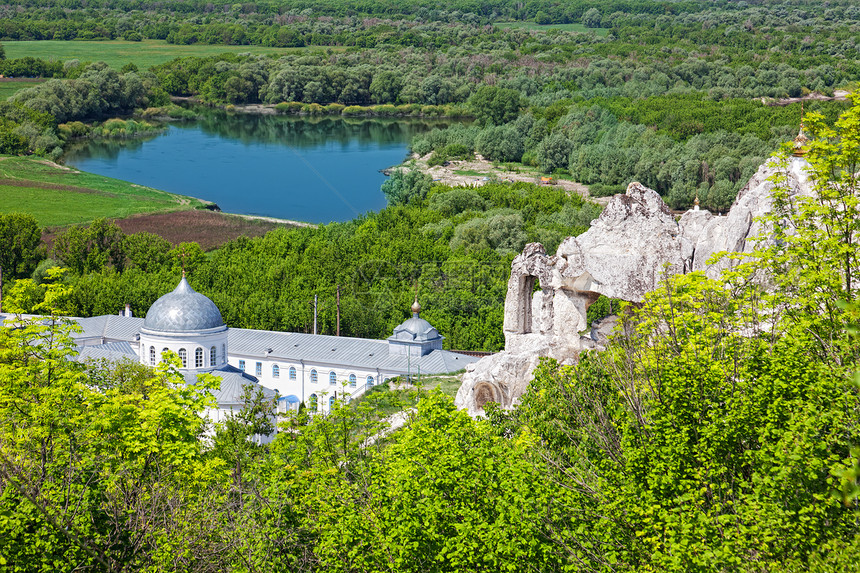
x=622, y=255
x=735, y=231
x=626, y=252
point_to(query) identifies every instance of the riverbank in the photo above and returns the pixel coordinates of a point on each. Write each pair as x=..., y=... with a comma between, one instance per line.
x=59, y=196
x=382, y=111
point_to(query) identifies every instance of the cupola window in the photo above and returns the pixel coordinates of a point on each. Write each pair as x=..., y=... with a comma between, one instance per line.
x=292, y=373
x=183, y=357
x=332, y=378
x=198, y=358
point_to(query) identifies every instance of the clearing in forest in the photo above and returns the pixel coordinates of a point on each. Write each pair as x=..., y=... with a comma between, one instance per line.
x=117, y=53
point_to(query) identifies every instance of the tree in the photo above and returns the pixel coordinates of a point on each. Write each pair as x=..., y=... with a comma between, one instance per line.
x=146, y=251
x=92, y=248
x=554, y=152
x=446, y=495
x=405, y=186
x=385, y=87
x=20, y=245
x=94, y=460
x=494, y=105
x=500, y=143
x=591, y=18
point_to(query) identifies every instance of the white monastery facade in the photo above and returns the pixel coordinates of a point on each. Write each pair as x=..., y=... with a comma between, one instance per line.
x=297, y=367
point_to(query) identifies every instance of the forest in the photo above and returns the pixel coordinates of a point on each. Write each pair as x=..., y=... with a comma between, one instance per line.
x=718, y=430
x=680, y=80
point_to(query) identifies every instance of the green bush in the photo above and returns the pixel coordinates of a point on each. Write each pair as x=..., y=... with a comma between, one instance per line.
x=386, y=110
x=457, y=150
x=456, y=201
x=313, y=109
x=437, y=158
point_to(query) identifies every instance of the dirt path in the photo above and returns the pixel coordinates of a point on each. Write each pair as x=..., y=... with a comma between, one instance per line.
x=478, y=171
x=838, y=95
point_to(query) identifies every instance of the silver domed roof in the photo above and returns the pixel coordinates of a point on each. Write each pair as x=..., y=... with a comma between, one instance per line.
x=183, y=310
x=416, y=329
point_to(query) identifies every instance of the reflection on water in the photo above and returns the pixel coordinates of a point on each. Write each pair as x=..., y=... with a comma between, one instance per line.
x=309, y=169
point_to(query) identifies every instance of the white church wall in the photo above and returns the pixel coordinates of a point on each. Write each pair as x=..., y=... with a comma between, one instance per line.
x=190, y=342
x=303, y=386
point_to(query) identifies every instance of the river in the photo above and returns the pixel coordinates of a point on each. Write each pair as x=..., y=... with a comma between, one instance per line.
x=307, y=169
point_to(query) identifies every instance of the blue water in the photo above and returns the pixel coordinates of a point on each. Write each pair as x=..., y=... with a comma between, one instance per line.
x=316, y=170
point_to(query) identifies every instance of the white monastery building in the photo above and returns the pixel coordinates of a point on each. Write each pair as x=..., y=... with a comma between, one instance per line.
x=310, y=368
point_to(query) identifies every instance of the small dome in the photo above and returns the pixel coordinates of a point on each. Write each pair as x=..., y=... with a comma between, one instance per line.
x=416, y=329
x=799, y=146
x=183, y=310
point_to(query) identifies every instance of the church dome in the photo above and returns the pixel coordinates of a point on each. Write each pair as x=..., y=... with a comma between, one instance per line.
x=183, y=310
x=416, y=329
x=414, y=336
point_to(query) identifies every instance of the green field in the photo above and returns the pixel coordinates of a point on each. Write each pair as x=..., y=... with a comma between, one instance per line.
x=8, y=88
x=564, y=27
x=117, y=53
x=58, y=195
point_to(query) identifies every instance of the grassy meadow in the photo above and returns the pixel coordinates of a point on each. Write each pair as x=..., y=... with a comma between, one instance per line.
x=59, y=196
x=117, y=53
x=7, y=88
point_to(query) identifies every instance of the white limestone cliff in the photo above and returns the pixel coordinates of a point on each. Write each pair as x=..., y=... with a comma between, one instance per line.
x=624, y=254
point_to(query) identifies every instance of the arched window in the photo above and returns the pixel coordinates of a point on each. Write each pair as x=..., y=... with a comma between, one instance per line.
x=163, y=350
x=242, y=365
x=276, y=371
x=332, y=378
x=213, y=356
x=152, y=355
x=198, y=358
x=183, y=356
x=312, y=403
x=292, y=373
x=331, y=402
x=314, y=376
x=223, y=353
x=352, y=380
x=369, y=381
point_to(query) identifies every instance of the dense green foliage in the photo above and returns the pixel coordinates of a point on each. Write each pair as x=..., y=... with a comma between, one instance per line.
x=683, y=69
x=20, y=239
x=717, y=432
